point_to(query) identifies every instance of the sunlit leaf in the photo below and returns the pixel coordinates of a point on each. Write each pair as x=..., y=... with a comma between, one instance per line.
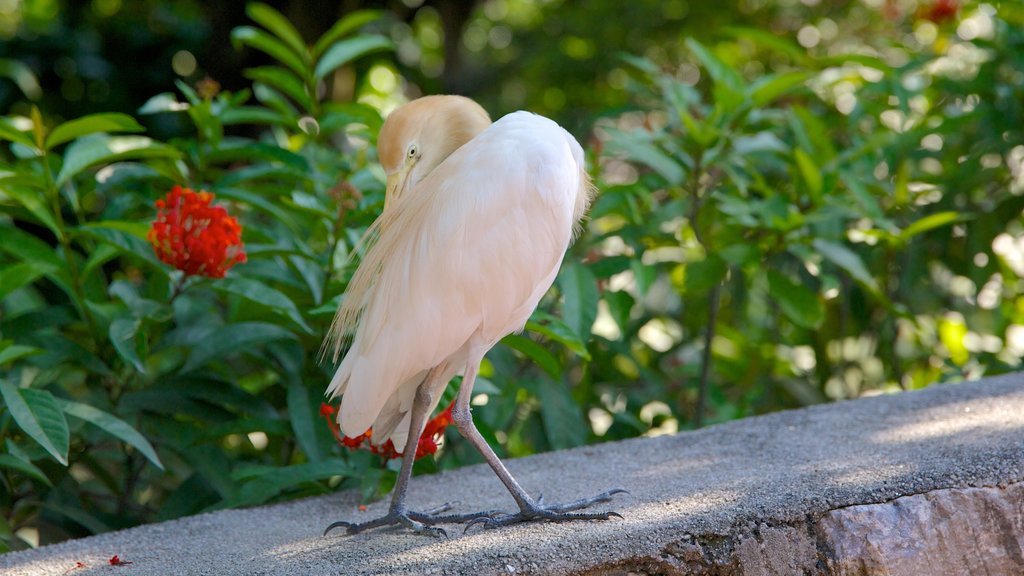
x=769, y=88
x=97, y=149
x=348, y=24
x=264, y=42
x=11, y=133
x=555, y=329
x=930, y=222
x=348, y=50
x=22, y=76
x=283, y=81
x=274, y=21
x=91, y=124
x=165, y=102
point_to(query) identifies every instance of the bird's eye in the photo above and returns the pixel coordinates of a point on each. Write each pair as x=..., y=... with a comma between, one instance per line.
x=413, y=151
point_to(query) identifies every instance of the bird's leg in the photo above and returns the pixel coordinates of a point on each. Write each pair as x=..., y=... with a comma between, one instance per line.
x=529, y=508
x=419, y=522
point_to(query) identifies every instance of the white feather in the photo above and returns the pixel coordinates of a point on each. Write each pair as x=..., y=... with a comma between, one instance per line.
x=469, y=252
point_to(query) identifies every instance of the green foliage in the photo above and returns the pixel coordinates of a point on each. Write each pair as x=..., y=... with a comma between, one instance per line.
x=124, y=381
x=776, y=226
x=831, y=225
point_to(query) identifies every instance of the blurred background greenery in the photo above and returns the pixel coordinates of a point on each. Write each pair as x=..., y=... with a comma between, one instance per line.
x=801, y=201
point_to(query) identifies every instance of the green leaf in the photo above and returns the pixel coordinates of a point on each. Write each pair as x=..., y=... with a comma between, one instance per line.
x=348, y=50
x=232, y=338
x=812, y=135
x=264, y=483
x=97, y=149
x=847, y=260
x=125, y=237
x=11, y=133
x=260, y=293
x=304, y=417
x=539, y=354
x=771, y=41
x=114, y=426
x=11, y=352
x=703, y=275
x=811, y=175
x=22, y=76
x=24, y=466
x=255, y=115
x=579, y=302
x=164, y=102
x=720, y=72
x=260, y=40
x=36, y=412
x=350, y=23
x=929, y=222
x=106, y=122
x=555, y=329
x=275, y=22
x=564, y=423
x=21, y=274
x=33, y=200
x=620, y=306
x=798, y=302
x=648, y=154
x=122, y=336
x=282, y=80
x=769, y=88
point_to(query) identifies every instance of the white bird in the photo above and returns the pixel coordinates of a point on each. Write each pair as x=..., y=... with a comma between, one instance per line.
x=476, y=221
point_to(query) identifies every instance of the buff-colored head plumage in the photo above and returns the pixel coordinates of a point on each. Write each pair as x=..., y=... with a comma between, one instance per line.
x=413, y=141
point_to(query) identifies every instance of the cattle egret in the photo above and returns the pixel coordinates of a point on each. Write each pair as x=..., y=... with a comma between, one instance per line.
x=477, y=218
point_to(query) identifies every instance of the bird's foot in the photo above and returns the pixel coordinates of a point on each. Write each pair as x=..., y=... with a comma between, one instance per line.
x=553, y=513
x=418, y=522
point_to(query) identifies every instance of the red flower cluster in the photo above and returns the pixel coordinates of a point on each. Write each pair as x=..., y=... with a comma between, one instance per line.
x=428, y=440
x=941, y=11
x=193, y=236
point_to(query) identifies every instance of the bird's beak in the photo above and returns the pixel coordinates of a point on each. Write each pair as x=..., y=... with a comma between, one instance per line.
x=396, y=186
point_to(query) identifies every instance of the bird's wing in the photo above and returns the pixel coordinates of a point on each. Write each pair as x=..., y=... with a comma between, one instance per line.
x=466, y=254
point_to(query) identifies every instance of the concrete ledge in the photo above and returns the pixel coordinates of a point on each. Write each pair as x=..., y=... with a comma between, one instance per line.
x=927, y=482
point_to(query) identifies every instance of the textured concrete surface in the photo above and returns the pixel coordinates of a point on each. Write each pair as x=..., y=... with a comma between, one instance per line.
x=756, y=496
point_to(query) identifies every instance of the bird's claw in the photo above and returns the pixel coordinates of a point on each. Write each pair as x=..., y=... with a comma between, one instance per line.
x=418, y=522
x=392, y=519
x=553, y=513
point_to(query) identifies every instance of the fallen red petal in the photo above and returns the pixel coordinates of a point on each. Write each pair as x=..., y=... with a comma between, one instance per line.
x=116, y=561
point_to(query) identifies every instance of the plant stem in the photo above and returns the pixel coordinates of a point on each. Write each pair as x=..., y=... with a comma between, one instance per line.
x=705, y=362
x=65, y=241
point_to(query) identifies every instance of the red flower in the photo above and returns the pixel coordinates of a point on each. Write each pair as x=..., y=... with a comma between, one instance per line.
x=432, y=433
x=115, y=561
x=940, y=11
x=193, y=236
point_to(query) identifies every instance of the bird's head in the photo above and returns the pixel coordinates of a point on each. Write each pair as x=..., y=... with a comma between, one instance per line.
x=418, y=136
